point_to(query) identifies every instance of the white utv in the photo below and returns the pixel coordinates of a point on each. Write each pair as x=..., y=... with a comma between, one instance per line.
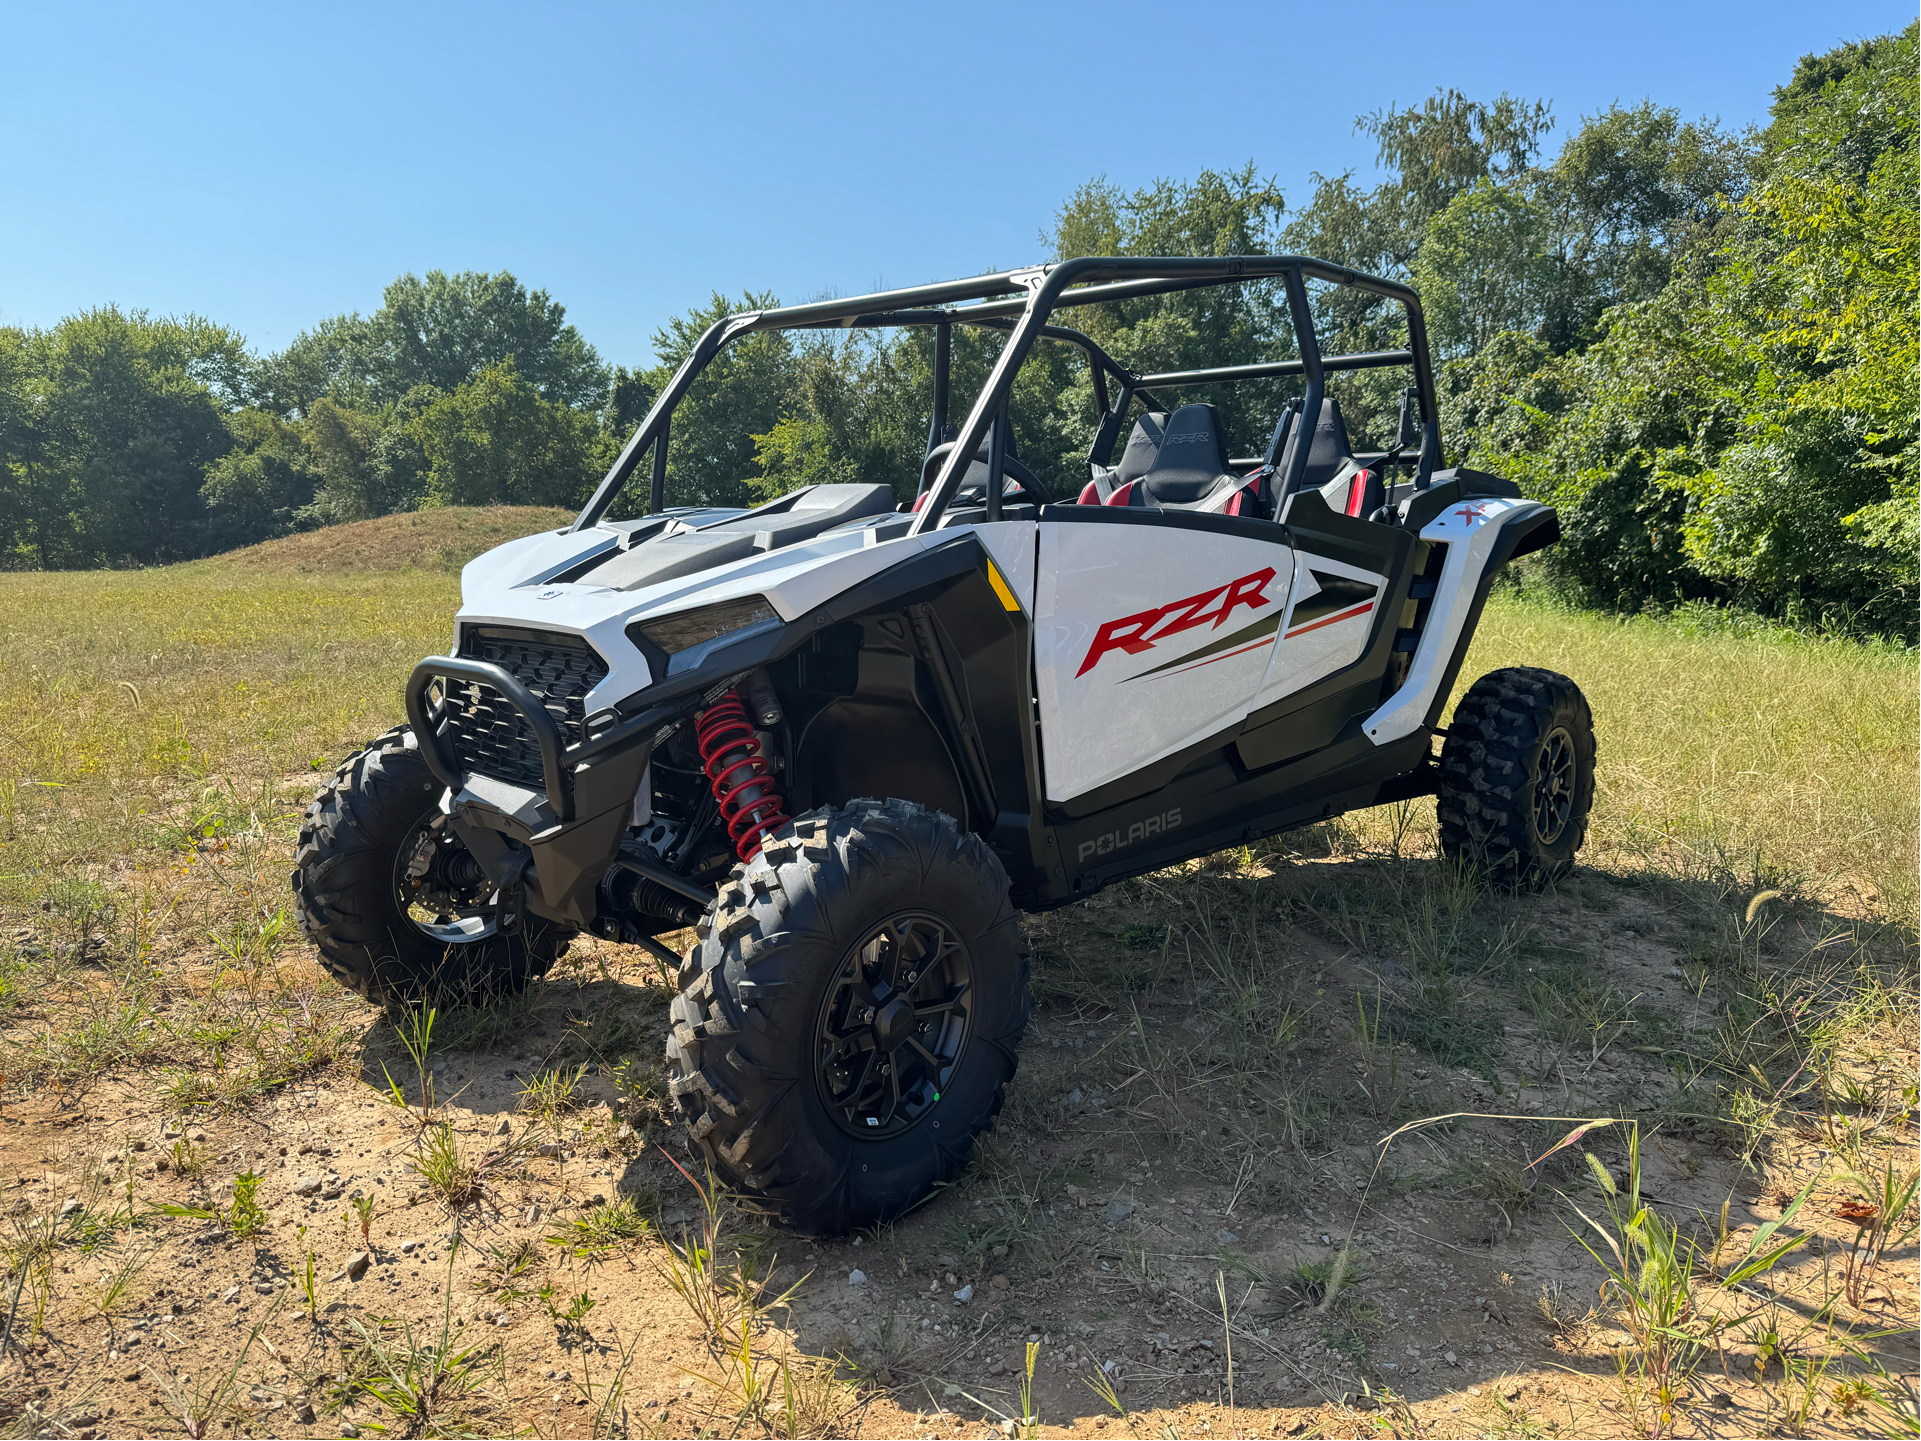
x=848, y=740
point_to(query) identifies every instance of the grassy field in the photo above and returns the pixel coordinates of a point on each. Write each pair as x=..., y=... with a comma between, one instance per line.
x=1732, y=972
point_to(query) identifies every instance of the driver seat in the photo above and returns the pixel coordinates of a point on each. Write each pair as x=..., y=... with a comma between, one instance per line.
x=1191, y=470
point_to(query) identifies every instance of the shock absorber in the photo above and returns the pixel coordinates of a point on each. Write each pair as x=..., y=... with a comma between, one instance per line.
x=731, y=756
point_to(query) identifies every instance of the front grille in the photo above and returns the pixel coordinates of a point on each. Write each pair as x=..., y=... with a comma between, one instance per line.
x=486, y=731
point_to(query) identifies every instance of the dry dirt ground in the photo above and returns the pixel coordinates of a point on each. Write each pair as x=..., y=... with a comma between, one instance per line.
x=1186, y=1202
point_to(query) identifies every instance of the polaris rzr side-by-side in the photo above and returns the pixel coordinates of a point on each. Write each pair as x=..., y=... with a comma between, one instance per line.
x=849, y=741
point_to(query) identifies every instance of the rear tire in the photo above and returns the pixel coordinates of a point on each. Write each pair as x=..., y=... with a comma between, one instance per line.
x=348, y=903
x=1517, y=775
x=863, y=949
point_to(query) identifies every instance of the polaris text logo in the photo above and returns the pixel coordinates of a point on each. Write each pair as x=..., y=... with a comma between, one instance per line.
x=1117, y=840
x=1199, y=437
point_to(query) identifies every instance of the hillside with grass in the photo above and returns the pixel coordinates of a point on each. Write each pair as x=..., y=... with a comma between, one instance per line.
x=440, y=538
x=1280, y=1158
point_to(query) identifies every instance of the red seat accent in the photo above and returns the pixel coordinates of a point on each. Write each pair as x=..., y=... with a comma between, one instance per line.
x=1123, y=496
x=1090, y=494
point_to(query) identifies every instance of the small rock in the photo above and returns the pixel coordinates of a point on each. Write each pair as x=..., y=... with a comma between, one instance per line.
x=999, y=1283
x=307, y=1186
x=533, y=1215
x=303, y=1413
x=358, y=1263
x=333, y=1189
x=70, y=1208
x=265, y=1288
x=625, y=1132
x=1074, y=1097
x=349, y=1430
x=1449, y=1357
x=551, y=1148
x=505, y=1128
x=1119, y=1212
x=1226, y=1237
x=232, y=1293
x=407, y=1248
x=196, y=1135
x=965, y=1294
x=139, y=1144
x=857, y=1278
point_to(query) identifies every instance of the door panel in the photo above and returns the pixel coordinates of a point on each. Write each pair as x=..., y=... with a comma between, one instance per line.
x=1148, y=637
x=1331, y=613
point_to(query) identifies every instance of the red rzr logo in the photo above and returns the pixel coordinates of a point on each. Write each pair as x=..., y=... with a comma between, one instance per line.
x=1136, y=633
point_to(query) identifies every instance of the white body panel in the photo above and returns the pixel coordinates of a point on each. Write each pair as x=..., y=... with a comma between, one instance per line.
x=795, y=579
x=1469, y=530
x=1146, y=639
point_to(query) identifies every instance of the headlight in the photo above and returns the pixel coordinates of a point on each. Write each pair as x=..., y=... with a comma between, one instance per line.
x=681, y=635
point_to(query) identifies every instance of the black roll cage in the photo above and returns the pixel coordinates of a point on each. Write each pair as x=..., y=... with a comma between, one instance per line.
x=1036, y=292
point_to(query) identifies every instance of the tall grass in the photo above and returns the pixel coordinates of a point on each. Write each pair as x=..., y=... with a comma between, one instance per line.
x=1786, y=756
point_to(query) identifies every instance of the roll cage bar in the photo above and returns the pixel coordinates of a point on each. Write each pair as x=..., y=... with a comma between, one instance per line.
x=1020, y=303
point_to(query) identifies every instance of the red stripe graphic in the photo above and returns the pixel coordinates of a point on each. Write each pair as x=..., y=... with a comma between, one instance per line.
x=1360, y=609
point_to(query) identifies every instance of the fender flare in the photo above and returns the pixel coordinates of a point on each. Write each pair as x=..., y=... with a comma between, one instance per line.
x=1520, y=535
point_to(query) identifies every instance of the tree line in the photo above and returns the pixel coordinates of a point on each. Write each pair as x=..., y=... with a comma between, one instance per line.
x=1699, y=343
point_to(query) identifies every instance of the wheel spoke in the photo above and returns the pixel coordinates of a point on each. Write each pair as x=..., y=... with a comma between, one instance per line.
x=893, y=1099
x=951, y=1003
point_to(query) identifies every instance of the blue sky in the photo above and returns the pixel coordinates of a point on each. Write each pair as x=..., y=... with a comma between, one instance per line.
x=267, y=165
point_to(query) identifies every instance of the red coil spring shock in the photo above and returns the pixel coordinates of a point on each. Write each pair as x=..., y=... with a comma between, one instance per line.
x=730, y=754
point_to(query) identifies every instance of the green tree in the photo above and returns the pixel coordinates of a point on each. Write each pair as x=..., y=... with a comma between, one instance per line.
x=444, y=330
x=1484, y=268
x=258, y=488
x=126, y=414
x=497, y=441
x=743, y=393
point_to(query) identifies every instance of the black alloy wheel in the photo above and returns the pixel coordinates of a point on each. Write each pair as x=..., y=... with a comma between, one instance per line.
x=893, y=1025
x=1554, y=786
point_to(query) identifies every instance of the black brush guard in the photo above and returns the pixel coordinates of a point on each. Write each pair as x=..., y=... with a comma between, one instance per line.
x=427, y=722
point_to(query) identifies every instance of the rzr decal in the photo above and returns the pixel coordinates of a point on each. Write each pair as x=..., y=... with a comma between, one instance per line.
x=1142, y=632
x=1338, y=599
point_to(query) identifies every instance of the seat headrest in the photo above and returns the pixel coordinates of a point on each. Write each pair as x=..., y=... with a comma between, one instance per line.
x=1143, y=444
x=975, y=477
x=1193, y=456
x=1327, y=452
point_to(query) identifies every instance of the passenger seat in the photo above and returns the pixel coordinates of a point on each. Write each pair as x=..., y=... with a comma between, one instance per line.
x=1143, y=444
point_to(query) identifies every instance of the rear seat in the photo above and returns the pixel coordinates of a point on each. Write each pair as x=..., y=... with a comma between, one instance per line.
x=1331, y=468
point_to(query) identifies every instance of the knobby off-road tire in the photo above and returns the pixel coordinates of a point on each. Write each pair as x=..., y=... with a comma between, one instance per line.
x=766, y=995
x=1517, y=775
x=346, y=896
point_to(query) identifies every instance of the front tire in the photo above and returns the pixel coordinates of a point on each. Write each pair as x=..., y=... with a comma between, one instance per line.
x=352, y=890
x=1517, y=775
x=851, y=1016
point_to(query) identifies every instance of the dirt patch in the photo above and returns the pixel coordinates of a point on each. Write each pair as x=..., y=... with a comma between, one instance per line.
x=1185, y=1215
